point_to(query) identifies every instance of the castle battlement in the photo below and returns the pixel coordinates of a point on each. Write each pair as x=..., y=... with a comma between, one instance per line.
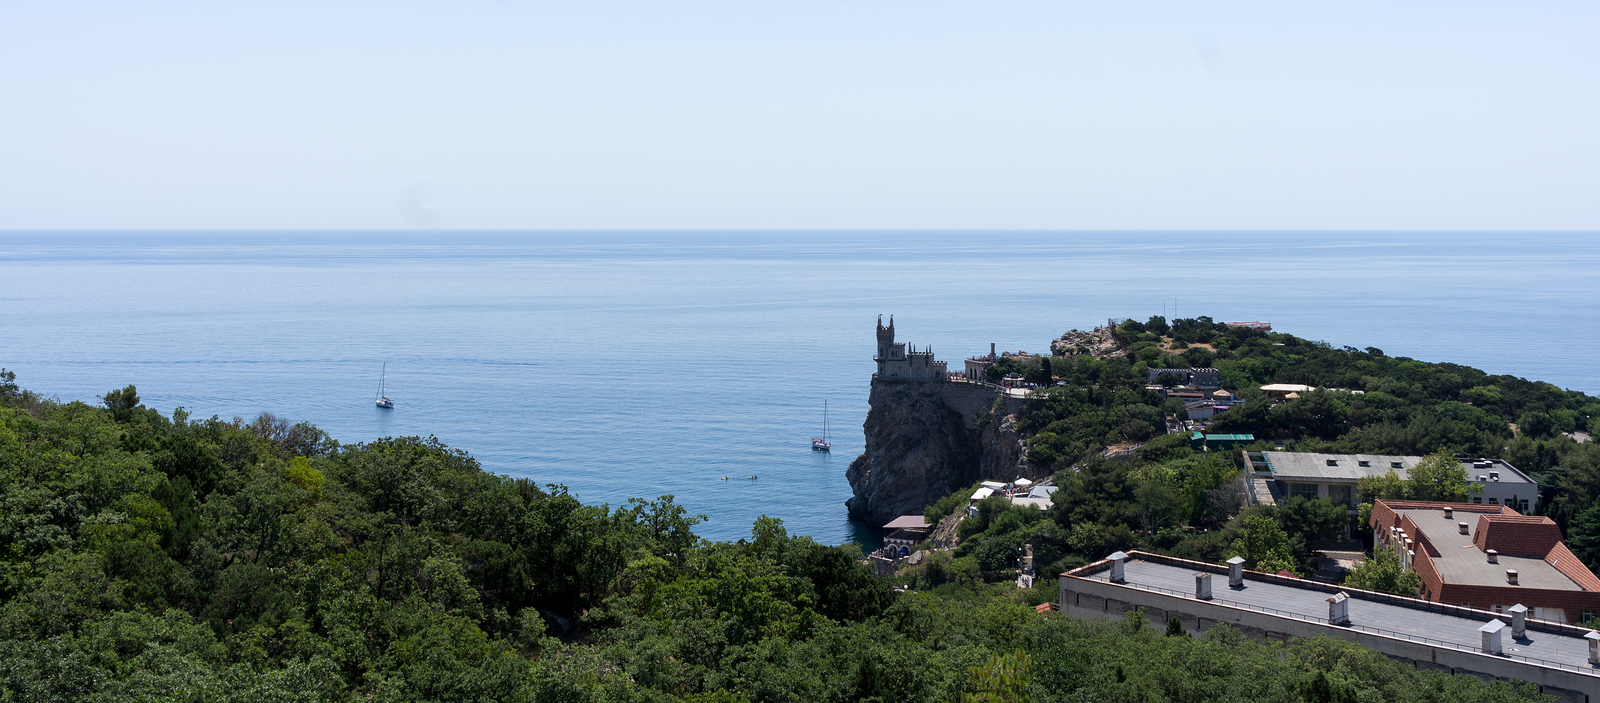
x=896, y=364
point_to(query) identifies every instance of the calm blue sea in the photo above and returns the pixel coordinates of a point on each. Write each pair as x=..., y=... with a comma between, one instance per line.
x=637, y=364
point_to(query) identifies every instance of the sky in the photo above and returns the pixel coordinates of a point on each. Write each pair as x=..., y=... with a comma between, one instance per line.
x=824, y=114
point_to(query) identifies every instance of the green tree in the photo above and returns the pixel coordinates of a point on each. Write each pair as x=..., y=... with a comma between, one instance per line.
x=1440, y=477
x=1002, y=679
x=1381, y=572
x=1583, y=536
x=122, y=402
x=1263, y=544
x=1536, y=424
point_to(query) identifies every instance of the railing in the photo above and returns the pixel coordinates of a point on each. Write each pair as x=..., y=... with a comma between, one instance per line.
x=1587, y=670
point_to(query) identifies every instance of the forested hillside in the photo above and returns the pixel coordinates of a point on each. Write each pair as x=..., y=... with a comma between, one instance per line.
x=150, y=557
x=1163, y=497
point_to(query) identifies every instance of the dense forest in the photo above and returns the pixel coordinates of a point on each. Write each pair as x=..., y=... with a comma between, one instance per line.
x=164, y=557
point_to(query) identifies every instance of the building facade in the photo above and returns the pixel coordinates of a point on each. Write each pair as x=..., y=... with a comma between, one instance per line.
x=1334, y=477
x=896, y=364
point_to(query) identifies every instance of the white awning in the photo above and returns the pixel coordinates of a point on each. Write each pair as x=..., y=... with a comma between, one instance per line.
x=993, y=484
x=1023, y=482
x=982, y=493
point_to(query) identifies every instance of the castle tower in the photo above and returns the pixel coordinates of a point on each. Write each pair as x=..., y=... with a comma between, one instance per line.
x=885, y=339
x=891, y=356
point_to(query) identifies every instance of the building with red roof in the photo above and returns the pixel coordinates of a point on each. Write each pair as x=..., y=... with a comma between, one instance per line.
x=1488, y=557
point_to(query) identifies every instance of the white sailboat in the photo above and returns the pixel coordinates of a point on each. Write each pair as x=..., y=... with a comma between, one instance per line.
x=383, y=400
x=820, y=444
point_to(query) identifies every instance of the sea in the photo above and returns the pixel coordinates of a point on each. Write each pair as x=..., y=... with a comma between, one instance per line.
x=698, y=364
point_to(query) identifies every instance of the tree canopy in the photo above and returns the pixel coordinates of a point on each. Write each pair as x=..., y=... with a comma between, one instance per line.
x=150, y=557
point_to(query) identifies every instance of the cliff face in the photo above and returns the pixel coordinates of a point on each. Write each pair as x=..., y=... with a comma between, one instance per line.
x=1004, y=456
x=915, y=445
x=921, y=441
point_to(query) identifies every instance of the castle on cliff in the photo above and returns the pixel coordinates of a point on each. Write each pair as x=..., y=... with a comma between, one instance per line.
x=896, y=365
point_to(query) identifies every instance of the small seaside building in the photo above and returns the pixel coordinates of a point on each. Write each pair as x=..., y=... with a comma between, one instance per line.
x=1283, y=390
x=1200, y=377
x=1257, y=325
x=906, y=530
x=977, y=367
x=1200, y=441
x=1041, y=497
x=1334, y=476
x=1488, y=557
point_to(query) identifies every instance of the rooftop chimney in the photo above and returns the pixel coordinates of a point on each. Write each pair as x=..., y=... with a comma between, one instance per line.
x=1519, y=621
x=1594, y=648
x=1339, y=609
x=1494, y=556
x=1491, y=636
x=1117, y=575
x=1447, y=512
x=1511, y=576
x=1236, y=572
x=1462, y=526
x=1202, y=585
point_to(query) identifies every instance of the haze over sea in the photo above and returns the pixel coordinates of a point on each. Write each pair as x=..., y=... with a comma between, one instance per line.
x=639, y=364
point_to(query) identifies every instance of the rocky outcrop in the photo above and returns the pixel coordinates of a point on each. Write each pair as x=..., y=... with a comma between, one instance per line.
x=916, y=447
x=947, y=534
x=922, y=442
x=1099, y=343
x=1005, y=457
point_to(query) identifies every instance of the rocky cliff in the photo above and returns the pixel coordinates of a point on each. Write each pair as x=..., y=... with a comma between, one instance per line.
x=920, y=447
x=1099, y=343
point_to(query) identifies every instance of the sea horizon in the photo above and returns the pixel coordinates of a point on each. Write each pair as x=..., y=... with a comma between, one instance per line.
x=635, y=363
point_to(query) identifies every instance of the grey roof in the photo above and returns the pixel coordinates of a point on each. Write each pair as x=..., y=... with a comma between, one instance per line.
x=1457, y=626
x=1461, y=562
x=1288, y=466
x=1349, y=468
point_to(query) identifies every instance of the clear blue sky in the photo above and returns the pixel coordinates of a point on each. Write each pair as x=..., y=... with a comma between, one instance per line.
x=818, y=114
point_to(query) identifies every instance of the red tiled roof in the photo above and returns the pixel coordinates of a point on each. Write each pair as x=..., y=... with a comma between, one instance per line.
x=1530, y=535
x=1568, y=563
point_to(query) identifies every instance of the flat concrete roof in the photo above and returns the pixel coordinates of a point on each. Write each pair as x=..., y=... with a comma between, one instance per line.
x=908, y=522
x=1461, y=562
x=1453, y=625
x=1348, y=468
x=1304, y=466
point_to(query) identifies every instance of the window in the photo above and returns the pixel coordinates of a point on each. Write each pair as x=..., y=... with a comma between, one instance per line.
x=1585, y=616
x=1304, y=490
x=1333, y=462
x=1340, y=495
x=1394, y=464
x=1477, y=499
x=1466, y=605
x=1494, y=501
x=1364, y=463
x=1498, y=608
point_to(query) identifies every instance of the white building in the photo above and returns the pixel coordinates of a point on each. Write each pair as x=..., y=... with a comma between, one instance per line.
x=1334, y=476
